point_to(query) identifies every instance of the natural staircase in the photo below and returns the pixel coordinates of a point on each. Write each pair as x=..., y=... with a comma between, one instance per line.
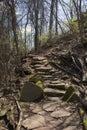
x=54, y=87
x=51, y=113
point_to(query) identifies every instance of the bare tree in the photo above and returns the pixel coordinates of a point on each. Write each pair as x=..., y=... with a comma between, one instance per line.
x=11, y=5
x=51, y=17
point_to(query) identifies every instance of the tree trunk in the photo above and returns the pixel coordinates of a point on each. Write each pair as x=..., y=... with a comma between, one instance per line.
x=14, y=23
x=36, y=25
x=51, y=17
x=56, y=18
x=42, y=18
x=79, y=19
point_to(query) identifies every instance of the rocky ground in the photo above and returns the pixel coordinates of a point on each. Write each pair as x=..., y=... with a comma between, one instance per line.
x=51, y=112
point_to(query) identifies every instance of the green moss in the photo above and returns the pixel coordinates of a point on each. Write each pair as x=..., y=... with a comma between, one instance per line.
x=34, y=78
x=32, y=75
x=40, y=84
x=65, y=77
x=70, y=95
x=37, y=79
x=85, y=123
x=81, y=112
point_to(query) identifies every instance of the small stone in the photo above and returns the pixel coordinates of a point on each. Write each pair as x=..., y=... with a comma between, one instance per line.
x=34, y=121
x=60, y=113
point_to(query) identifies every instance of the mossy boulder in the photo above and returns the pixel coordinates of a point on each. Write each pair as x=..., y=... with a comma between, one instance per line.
x=40, y=84
x=35, y=78
x=31, y=92
x=70, y=95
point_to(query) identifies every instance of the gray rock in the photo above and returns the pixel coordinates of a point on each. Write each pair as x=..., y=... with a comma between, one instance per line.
x=43, y=69
x=31, y=92
x=50, y=106
x=70, y=95
x=60, y=113
x=70, y=128
x=34, y=121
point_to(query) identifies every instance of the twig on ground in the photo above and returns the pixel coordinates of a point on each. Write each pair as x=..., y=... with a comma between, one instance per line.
x=20, y=115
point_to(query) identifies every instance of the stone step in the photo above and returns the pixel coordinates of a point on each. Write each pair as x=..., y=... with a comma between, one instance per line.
x=41, y=73
x=55, y=82
x=54, y=99
x=36, y=66
x=47, y=76
x=39, y=58
x=50, y=77
x=31, y=55
x=47, y=73
x=56, y=74
x=52, y=71
x=43, y=69
x=54, y=92
x=57, y=86
x=36, y=62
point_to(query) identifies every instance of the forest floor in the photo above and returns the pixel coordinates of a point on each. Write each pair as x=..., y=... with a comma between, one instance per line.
x=59, y=73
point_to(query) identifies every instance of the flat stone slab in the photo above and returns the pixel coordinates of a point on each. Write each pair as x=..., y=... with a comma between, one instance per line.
x=55, y=99
x=50, y=106
x=36, y=62
x=43, y=69
x=36, y=66
x=54, y=92
x=40, y=73
x=70, y=128
x=34, y=121
x=55, y=82
x=57, y=86
x=60, y=113
x=47, y=76
x=38, y=58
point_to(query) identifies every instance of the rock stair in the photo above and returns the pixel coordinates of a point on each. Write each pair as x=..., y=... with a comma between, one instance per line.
x=54, y=87
x=51, y=113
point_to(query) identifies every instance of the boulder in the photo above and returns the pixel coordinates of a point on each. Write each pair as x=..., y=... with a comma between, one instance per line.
x=31, y=92
x=70, y=95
